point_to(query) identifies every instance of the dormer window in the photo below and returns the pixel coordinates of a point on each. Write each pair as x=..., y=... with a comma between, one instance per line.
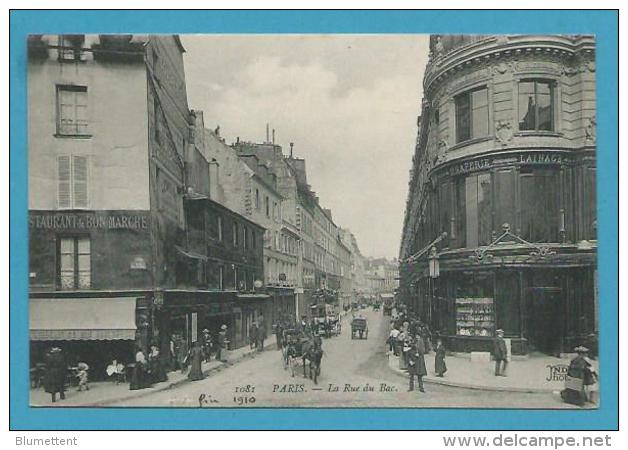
x=70, y=47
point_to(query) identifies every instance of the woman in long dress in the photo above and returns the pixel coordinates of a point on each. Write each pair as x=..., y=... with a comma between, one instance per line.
x=196, y=357
x=157, y=370
x=579, y=375
x=139, y=378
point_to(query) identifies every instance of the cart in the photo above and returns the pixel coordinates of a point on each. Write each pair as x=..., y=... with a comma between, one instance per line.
x=359, y=328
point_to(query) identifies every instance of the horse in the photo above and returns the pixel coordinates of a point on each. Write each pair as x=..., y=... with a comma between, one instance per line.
x=312, y=352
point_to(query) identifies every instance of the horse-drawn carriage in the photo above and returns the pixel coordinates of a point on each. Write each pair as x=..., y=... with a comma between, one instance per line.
x=301, y=349
x=359, y=328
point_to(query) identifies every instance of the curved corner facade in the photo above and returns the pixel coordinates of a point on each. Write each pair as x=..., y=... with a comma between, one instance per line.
x=500, y=221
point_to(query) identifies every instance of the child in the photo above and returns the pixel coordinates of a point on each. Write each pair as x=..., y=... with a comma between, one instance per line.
x=82, y=376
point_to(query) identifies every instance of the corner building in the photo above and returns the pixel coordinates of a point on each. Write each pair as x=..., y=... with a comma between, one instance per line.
x=500, y=221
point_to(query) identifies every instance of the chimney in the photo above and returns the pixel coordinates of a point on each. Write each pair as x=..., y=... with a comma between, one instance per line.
x=291, y=148
x=267, y=134
x=273, y=136
x=214, y=180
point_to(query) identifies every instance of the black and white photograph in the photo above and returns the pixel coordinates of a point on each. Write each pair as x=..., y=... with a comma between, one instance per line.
x=312, y=221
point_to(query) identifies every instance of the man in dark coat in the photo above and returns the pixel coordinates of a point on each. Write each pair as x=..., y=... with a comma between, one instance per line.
x=500, y=353
x=416, y=363
x=54, y=380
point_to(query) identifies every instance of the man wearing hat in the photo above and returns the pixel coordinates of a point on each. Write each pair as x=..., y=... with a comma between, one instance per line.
x=500, y=353
x=579, y=374
x=54, y=379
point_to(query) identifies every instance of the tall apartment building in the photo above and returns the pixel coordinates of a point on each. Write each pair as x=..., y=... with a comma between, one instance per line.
x=500, y=222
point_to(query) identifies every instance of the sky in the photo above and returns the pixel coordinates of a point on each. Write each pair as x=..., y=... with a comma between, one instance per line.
x=348, y=102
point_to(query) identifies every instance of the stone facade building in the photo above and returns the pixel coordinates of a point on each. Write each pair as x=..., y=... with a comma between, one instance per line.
x=115, y=179
x=500, y=221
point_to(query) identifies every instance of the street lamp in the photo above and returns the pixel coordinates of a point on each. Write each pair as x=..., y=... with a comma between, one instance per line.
x=434, y=267
x=434, y=264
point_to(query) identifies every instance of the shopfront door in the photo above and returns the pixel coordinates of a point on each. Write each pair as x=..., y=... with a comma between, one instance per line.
x=544, y=322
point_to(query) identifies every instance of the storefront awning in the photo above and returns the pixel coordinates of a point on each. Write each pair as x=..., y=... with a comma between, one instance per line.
x=82, y=319
x=253, y=296
x=190, y=254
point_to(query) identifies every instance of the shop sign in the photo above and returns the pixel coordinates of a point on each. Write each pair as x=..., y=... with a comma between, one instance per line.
x=88, y=222
x=528, y=158
x=541, y=158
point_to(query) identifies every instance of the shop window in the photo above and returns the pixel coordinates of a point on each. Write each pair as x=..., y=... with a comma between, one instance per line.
x=471, y=114
x=475, y=314
x=474, y=209
x=74, y=262
x=536, y=105
x=234, y=233
x=446, y=210
x=72, y=182
x=505, y=206
x=72, y=111
x=540, y=215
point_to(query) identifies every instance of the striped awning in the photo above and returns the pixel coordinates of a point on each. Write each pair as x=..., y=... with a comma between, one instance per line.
x=82, y=319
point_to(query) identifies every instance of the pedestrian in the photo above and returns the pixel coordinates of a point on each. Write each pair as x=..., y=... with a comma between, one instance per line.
x=196, y=358
x=155, y=364
x=392, y=340
x=580, y=374
x=54, y=380
x=405, y=354
x=182, y=354
x=416, y=363
x=82, y=375
x=139, y=378
x=279, y=335
x=261, y=334
x=207, y=345
x=439, y=360
x=253, y=335
x=500, y=353
x=172, y=354
x=222, y=342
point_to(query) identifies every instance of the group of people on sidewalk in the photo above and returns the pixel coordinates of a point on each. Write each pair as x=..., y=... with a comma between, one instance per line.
x=151, y=370
x=410, y=339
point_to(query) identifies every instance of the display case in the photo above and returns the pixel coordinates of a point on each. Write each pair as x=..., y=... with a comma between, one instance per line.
x=475, y=316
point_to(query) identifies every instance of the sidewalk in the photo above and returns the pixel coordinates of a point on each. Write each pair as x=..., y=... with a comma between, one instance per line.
x=531, y=374
x=105, y=393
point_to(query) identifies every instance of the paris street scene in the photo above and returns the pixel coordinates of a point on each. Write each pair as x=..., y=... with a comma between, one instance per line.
x=257, y=221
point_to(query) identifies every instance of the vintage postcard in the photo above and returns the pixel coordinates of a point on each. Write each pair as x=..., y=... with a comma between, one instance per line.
x=257, y=225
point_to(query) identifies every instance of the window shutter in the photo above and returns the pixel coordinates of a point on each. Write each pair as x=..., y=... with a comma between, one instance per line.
x=80, y=181
x=64, y=195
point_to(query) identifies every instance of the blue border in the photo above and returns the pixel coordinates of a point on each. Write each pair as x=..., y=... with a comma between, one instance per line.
x=604, y=24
